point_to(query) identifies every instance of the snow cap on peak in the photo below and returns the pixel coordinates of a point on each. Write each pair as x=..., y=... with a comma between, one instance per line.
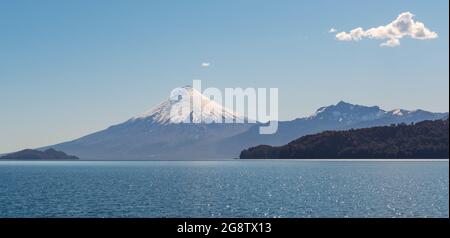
x=398, y=112
x=188, y=105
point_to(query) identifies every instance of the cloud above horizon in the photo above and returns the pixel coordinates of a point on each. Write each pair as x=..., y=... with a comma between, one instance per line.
x=403, y=26
x=205, y=64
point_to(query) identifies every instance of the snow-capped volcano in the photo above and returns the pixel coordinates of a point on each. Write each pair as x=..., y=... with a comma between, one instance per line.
x=188, y=125
x=188, y=105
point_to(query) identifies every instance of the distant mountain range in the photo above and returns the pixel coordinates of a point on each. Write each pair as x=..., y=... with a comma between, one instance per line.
x=342, y=116
x=423, y=140
x=159, y=135
x=28, y=154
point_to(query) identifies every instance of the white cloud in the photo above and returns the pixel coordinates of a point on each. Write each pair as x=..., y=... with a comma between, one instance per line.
x=205, y=64
x=403, y=26
x=391, y=43
x=332, y=30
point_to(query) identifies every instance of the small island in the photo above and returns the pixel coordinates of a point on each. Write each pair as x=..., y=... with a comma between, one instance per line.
x=49, y=154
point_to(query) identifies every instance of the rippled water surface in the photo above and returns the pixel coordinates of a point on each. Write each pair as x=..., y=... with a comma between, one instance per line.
x=224, y=189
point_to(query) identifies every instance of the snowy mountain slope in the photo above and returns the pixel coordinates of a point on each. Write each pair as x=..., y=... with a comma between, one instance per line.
x=181, y=108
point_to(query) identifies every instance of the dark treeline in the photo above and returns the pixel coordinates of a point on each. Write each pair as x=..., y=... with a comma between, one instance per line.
x=427, y=139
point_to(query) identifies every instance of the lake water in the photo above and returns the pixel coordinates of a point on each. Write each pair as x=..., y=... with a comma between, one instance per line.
x=224, y=189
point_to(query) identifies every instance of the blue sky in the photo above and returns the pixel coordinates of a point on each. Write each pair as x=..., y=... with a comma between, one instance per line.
x=69, y=68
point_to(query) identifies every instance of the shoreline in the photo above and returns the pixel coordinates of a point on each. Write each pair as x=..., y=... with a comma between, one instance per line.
x=234, y=160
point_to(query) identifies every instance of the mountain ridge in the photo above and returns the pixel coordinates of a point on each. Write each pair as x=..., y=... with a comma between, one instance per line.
x=155, y=135
x=329, y=118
